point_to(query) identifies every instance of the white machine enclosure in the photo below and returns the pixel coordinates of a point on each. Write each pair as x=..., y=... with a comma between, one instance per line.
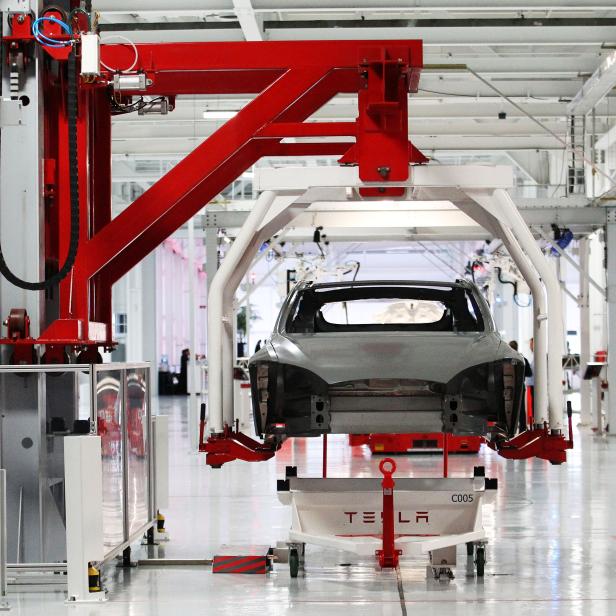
x=84, y=513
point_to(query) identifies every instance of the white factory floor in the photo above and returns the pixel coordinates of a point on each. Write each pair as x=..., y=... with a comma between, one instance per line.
x=552, y=533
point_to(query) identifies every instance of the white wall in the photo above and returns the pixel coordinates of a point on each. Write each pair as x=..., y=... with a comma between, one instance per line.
x=172, y=300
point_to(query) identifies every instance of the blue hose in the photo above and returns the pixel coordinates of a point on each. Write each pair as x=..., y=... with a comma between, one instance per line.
x=45, y=40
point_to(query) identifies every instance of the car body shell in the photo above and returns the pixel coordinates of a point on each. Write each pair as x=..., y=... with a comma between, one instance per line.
x=385, y=381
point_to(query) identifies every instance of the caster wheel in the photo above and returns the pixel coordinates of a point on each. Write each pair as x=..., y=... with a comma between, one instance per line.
x=470, y=548
x=293, y=562
x=480, y=561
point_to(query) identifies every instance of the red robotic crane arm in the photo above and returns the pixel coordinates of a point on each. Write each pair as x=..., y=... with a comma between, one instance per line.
x=291, y=80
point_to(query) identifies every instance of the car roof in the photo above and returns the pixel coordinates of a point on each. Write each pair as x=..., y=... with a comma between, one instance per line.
x=460, y=283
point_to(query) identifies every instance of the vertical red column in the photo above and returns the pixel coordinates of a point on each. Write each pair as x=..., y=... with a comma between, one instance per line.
x=445, y=454
x=388, y=556
x=99, y=153
x=73, y=289
x=324, y=456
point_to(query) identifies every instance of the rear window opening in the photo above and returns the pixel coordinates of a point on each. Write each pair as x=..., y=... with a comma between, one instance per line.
x=384, y=308
x=383, y=311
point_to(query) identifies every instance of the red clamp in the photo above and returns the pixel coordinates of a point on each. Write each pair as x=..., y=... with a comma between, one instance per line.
x=234, y=445
x=388, y=557
x=537, y=443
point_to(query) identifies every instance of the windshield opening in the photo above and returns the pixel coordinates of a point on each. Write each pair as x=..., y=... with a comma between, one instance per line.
x=383, y=308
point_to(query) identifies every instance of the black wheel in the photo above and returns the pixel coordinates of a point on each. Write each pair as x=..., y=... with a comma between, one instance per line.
x=470, y=548
x=480, y=560
x=293, y=562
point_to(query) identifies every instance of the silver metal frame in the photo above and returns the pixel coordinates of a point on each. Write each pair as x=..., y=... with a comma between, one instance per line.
x=92, y=370
x=4, y=605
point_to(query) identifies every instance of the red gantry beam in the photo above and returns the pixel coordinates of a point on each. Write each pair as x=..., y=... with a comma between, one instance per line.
x=291, y=80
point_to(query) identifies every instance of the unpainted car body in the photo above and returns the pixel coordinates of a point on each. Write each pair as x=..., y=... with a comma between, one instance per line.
x=431, y=361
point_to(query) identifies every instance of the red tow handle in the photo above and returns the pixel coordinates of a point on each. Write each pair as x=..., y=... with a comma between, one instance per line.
x=388, y=557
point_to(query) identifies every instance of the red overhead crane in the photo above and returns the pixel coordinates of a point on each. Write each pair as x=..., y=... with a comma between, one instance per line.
x=291, y=80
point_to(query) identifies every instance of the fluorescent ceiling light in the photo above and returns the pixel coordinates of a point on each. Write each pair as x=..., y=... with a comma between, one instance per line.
x=218, y=115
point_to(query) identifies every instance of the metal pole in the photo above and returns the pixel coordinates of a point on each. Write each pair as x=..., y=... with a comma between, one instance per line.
x=248, y=317
x=193, y=402
x=598, y=410
x=610, y=242
x=4, y=605
x=324, y=456
x=445, y=454
x=593, y=150
x=211, y=259
x=584, y=303
x=388, y=556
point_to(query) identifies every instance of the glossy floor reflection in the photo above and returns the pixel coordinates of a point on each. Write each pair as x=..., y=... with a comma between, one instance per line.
x=552, y=533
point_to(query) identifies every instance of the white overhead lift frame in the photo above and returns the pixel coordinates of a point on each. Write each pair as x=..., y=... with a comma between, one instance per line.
x=479, y=191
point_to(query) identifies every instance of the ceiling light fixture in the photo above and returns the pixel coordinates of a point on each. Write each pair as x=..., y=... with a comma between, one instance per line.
x=218, y=115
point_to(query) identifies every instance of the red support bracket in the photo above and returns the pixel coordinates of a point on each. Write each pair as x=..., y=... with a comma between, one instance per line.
x=234, y=445
x=388, y=556
x=537, y=443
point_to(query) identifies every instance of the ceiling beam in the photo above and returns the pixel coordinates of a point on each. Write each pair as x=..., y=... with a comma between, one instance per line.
x=597, y=87
x=252, y=26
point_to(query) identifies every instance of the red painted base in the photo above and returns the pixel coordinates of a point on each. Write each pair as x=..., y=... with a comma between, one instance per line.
x=415, y=442
x=390, y=561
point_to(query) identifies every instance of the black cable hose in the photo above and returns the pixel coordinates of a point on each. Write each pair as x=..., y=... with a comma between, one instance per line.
x=53, y=280
x=500, y=279
x=515, y=289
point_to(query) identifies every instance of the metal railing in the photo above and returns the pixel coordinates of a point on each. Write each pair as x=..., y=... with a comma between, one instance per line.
x=4, y=604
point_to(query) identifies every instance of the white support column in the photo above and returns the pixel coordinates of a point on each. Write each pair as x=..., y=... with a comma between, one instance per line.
x=248, y=317
x=584, y=304
x=134, y=304
x=211, y=262
x=520, y=229
x=149, y=326
x=611, y=317
x=277, y=214
x=218, y=340
x=540, y=368
x=192, y=368
x=501, y=206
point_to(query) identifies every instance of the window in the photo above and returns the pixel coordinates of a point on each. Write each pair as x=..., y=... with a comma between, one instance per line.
x=372, y=307
x=394, y=310
x=121, y=323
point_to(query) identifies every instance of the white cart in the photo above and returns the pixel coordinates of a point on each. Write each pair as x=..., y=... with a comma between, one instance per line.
x=431, y=517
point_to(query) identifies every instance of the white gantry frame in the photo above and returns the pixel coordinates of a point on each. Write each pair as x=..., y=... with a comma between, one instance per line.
x=478, y=191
